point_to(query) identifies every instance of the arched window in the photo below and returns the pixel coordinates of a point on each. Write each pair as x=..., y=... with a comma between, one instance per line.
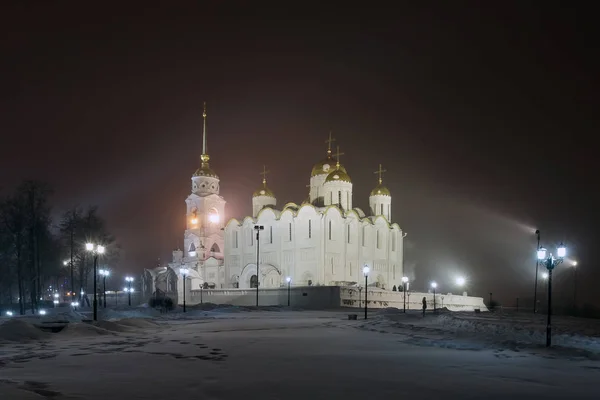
x=253, y=281
x=215, y=248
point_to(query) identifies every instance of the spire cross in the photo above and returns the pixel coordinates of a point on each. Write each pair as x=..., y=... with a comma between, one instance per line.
x=380, y=171
x=337, y=156
x=264, y=174
x=329, y=141
x=204, y=130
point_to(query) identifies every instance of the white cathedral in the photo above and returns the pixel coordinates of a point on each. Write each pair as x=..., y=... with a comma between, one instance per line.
x=323, y=241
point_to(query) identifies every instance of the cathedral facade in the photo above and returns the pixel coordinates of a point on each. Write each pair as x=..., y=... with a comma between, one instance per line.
x=323, y=241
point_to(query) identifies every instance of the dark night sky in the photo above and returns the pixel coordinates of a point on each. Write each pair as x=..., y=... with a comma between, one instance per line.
x=484, y=118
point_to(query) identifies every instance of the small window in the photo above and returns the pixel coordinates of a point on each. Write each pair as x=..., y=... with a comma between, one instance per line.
x=393, y=241
x=290, y=231
x=332, y=272
x=330, y=197
x=251, y=237
x=271, y=234
x=329, y=230
x=340, y=198
x=381, y=209
x=363, y=235
x=377, y=239
x=309, y=228
x=236, y=239
x=348, y=233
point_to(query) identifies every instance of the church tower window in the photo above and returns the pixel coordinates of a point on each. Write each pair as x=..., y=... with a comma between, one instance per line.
x=309, y=228
x=340, y=198
x=377, y=238
x=348, y=233
x=271, y=234
x=330, y=197
x=363, y=235
x=251, y=237
x=393, y=241
x=329, y=230
x=290, y=231
x=236, y=239
x=381, y=209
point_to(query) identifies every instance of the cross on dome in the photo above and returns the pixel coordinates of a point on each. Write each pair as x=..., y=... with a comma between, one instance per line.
x=337, y=156
x=264, y=174
x=380, y=171
x=329, y=141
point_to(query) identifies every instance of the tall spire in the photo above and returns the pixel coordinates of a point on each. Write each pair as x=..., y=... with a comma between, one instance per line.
x=380, y=171
x=329, y=141
x=204, y=157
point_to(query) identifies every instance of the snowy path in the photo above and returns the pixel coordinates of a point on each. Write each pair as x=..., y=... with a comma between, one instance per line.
x=278, y=355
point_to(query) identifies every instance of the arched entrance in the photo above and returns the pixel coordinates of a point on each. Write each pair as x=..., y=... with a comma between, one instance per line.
x=253, y=281
x=270, y=277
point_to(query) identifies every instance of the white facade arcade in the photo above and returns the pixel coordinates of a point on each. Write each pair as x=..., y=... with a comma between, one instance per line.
x=323, y=241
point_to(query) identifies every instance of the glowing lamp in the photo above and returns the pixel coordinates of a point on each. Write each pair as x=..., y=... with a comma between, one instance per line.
x=42, y=312
x=100, y=249
x=404, y=279
x=184, y=271
x=541, y=253
x=89, y=246
x=545, y=275
x=561, y=252
x=574, y=263
x=434, y=285
x=460, y=281
x=288, y=279
x=194, y=221
x=366, y=270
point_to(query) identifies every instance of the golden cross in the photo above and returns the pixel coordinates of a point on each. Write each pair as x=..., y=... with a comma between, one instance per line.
x=337, y=155
x=329, y=141
x=380, y=172
x=264, y=174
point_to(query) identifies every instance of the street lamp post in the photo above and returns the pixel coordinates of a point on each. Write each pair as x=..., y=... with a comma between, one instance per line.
x=104, y=273
x=289, y=282
x=574, y=283
x=129, y=280
x=366, y=273
x=434, y=286
x=257, y=228
x=537, y=262
x=184, y=272
x=96, y=250
x=404, y=282
x=548, y=260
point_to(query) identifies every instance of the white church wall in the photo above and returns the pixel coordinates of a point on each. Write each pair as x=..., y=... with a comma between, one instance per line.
x=308, y=231
x=376, y=298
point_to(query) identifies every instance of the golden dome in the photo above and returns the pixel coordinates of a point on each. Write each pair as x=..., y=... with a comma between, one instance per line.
x=338, y=175
x=380, y=190
x=263, y=191
x=325, y=166
x=205, y=169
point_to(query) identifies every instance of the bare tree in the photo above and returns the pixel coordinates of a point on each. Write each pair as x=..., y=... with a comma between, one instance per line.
x=13, y=214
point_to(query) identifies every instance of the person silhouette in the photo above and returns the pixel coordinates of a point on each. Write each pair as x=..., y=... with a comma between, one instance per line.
x=424, y=305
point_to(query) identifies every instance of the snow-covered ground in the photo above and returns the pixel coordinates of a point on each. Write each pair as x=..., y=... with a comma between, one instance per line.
x=235, y=352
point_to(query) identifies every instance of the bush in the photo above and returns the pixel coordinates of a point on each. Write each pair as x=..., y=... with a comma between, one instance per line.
x=161, y=302
x=394, y=289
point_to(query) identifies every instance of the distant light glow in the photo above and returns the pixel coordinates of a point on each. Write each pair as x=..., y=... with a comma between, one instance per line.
x=194, y=221
x=89, y=246
x=42, y=312
x=434, y=285
x=9, y=313
x=55, y=301
x=460, y=281
x=56, y=295
x=545, y=275
x=65, y=262
x=405, y=279
x=129, y=278
x=366, y=270
x=288, y=279
x=75, y=304
x=574, y=263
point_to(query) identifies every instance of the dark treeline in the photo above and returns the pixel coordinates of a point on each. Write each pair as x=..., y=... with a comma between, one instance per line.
x=41, y=257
